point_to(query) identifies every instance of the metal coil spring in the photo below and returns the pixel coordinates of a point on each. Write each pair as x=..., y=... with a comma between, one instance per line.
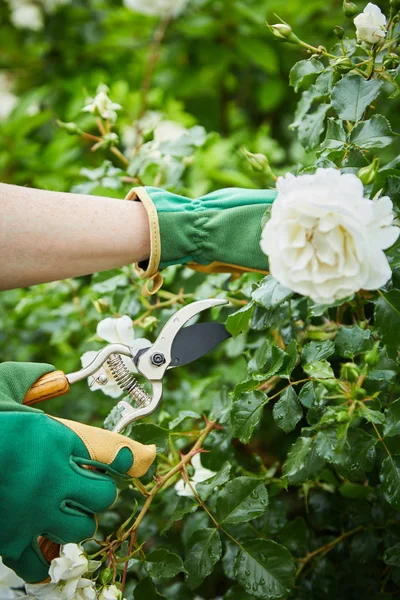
x=126, y=381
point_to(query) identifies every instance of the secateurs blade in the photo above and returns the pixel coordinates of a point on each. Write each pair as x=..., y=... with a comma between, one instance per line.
x=175, y=346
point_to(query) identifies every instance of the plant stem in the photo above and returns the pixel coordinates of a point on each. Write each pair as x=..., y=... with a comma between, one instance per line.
x=326, y=548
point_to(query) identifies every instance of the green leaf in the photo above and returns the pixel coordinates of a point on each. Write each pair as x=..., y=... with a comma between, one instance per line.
x=335, y=138
x=246, y=413
x=206, y=488
x=145, y=590
x=317, y=351
x=387, y=320
x=238, y=593
x=265, y=569
x=373, y=416
x=362, y=452
x=311, y=127
x=305, y=72
x=204, y=550
x=326, y=444
x=271, y=293
x=374, y=133
x=353, y=94
x=183, y=507
x=287, y=411
x=392, y=555
x=149, y=433
x=241, y=500
x=290, y=360
x=351, y=341
x=303, y=462
x=240, y=320
x=392, y=189
x=390, y=479
x=319, y=369
x=392, y=424
x=164, y=564
x=268, y=359
x=182, y=415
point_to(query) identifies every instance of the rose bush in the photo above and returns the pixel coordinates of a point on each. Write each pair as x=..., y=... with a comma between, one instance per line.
x=298, y=492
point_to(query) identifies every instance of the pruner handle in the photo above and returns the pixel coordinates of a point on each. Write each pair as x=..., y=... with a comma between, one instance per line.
x=48, y=386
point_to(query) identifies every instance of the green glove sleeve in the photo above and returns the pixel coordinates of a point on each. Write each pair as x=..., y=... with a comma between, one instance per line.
x=45, y=489
x=219, y=232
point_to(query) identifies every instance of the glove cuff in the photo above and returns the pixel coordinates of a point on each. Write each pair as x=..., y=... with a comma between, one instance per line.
x=149, y=269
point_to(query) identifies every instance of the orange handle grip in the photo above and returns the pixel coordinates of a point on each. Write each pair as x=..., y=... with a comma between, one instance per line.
x=49, y=386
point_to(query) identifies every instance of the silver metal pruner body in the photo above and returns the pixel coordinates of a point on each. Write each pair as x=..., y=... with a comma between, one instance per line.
x=175, y=346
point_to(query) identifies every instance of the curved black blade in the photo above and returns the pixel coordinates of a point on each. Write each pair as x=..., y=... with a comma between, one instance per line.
x=194, y=341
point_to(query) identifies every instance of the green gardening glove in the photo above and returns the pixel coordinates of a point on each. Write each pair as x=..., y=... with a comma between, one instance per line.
x=46, y=493
x=219, y=232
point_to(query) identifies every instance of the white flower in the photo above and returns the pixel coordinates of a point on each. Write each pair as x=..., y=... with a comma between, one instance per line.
x=200, y=474
x=161, y=8
x=75, y=589
x=8, y=580
x=8, y=100
x=69, y=568
x=166, y=131
x=324, y=239
x=101, y=105
x=25, y=15
x=370, y=24
x=110, y=592
x=115, y=331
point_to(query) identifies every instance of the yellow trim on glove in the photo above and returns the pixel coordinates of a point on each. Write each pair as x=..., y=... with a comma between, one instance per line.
x=151, y=273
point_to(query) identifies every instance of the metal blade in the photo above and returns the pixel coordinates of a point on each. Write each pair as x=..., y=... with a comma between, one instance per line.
x=192, y=342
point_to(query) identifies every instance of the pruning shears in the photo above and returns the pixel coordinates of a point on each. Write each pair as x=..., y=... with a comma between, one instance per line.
x=175, y=346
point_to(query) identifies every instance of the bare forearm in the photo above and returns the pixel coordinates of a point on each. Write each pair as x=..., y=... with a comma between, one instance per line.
x=45, y=236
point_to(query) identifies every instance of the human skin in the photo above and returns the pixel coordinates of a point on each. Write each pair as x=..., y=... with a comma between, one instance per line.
x=46, y=236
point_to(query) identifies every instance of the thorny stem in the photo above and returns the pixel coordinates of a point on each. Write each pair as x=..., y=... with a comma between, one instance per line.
x=326, y=547
x=180, y=297
x=163, y=480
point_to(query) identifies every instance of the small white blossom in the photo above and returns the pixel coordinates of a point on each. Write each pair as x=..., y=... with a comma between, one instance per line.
x=102, y=106
x=26, y=15
x=166, y=131
x=370, y=24
x=200, y=474
x=110, y=592
x=158, y=8
x=324, y=239
x=115, y=331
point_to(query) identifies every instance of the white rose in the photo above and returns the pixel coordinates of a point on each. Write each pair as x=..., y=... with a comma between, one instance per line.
x=370, y=24
x=324, y=239
x=71, y=564
x=200, y=474
x=101, y=105
x=25, y=15
x=110, y=592
x=115, y=331
x=161, y=8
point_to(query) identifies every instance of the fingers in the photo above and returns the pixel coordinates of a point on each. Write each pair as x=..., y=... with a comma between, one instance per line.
x=116, y=453
x=17, y=378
